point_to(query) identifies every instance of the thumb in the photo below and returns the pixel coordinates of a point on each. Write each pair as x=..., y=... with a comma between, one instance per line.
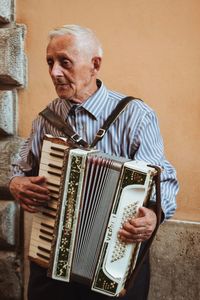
x=141, y=212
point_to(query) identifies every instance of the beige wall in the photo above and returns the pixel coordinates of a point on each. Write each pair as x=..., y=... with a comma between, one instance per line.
x=152, y=51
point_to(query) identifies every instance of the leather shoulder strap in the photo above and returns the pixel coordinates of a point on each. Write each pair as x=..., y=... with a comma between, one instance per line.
x=66, y=128
x=121, y=106
x=58, y=123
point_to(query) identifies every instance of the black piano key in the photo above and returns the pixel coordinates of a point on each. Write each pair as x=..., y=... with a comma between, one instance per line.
x=49, y=215
x=46, y=232
x=54, y=166
x=44, y=249
x=42, y=256
x=46, y=225
x=51, y=208
x=56, y=155
x=57, y=149
x=53, y=173
x=44, y=238
x=54, y=198
x=52, y=184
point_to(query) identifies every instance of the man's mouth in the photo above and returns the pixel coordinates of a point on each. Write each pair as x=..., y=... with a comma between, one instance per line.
x=61, y=84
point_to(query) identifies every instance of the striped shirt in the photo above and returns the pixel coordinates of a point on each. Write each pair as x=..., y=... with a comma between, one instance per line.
x=135, y=134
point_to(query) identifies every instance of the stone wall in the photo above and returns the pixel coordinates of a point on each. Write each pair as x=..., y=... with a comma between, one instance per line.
x=175, y=262
x=12, y=77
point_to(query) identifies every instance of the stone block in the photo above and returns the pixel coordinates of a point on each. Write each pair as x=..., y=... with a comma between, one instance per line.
x=6, y=11
x=9, y=148
x=8, y=112
x=9, y=224
x=10, y=277
x=12, y=58
x=175, y=263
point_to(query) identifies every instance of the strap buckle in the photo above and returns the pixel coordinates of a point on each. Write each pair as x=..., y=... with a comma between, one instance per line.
x=100, y=133
x=76, y=138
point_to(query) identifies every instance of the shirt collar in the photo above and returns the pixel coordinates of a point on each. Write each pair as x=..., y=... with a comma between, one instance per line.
x=95, y=103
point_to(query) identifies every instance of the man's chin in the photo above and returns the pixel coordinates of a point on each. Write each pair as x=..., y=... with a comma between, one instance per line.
x=65, y=96
x=69, y=97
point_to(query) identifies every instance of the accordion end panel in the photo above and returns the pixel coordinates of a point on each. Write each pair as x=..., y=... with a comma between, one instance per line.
x=117, y=259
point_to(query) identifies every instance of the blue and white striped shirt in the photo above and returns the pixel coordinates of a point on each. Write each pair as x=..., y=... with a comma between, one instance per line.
x=135, y=134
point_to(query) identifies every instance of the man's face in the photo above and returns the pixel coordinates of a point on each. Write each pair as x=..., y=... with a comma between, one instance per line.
x=72, y=72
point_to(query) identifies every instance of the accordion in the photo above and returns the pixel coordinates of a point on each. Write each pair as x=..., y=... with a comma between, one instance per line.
x=75, y=236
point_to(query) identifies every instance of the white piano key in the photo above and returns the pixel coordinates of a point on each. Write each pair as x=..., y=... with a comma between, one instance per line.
x=35, y=252
x=49, y=169
x=47, y=146
x=50, y=178
x=53, y=163
x=46, y=158
x=40, y=218
x=38, y=240
x=39, y=226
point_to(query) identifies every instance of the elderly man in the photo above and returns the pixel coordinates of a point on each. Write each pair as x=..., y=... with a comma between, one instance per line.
x=74, y=58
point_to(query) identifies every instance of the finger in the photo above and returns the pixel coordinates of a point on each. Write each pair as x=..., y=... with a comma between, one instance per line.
x=34, y=195
x=122, y=293
x=147, y=225
x=37, y=188
x=124, y=235
x=141, y=219
x=138, y=222
x=32, y=190
x=37, y=184
x=38, y=180
x=129, y=227
x=31, y=202
x=136, y=235
x=134, y=238
x=144, y=230
x=131, y=240
x=28, y=208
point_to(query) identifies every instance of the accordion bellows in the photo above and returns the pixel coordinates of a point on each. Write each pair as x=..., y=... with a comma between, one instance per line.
x=75, y=235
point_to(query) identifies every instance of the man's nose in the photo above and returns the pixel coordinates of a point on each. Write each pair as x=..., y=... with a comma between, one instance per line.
x=56, y=70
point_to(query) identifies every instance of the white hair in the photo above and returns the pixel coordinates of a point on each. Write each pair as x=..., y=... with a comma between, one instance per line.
x=85, y=38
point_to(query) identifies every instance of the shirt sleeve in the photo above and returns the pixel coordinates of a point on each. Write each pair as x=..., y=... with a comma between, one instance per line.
x=151, y=149
x=27, y=163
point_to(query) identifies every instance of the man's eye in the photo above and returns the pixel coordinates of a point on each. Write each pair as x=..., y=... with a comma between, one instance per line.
x=66, y=63
x=50, y=62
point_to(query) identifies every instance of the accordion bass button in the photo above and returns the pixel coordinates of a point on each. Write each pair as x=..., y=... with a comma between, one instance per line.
x=119, y=254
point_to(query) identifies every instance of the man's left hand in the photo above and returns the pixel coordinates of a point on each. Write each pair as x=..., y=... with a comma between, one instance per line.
x=140, y=228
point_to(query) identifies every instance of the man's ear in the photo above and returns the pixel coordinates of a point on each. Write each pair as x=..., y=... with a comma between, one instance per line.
x=96, y=62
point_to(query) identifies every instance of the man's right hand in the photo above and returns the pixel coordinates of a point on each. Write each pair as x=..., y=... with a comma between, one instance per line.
x=30, y=192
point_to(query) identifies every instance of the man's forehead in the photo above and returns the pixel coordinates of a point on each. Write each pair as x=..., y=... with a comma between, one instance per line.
x=62, y=44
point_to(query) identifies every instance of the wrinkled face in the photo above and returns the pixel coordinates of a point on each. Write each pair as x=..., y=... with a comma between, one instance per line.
x=72, y=71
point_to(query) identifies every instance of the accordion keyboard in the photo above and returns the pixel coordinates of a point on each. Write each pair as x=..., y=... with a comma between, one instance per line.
x=44, y=221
